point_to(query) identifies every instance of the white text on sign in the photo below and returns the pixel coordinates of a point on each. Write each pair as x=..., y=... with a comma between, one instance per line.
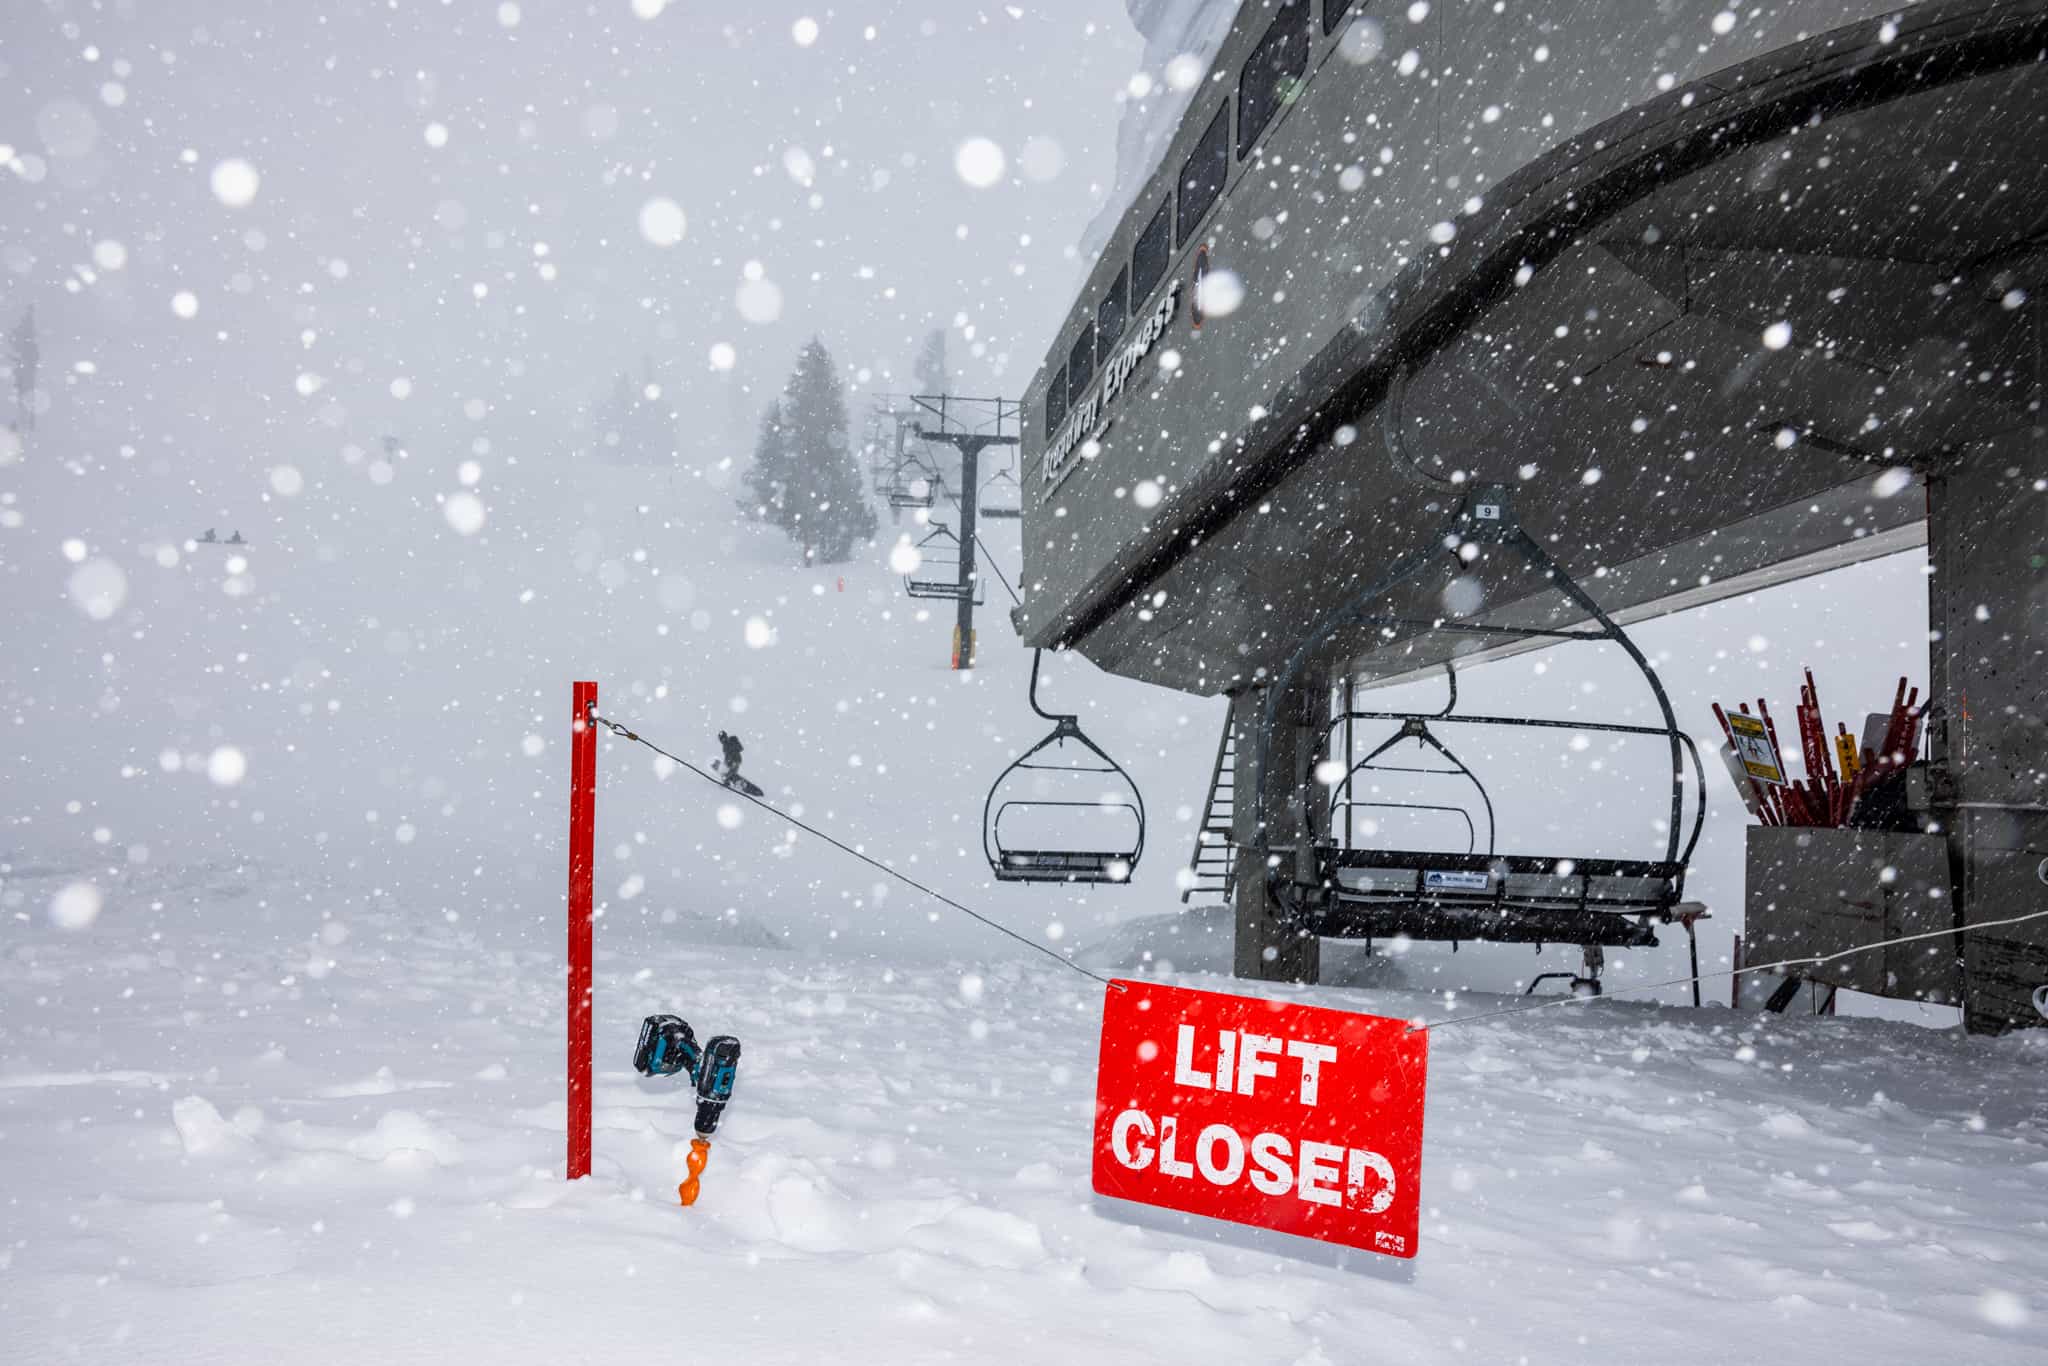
x=1270, y=1113
x=1237, y=1061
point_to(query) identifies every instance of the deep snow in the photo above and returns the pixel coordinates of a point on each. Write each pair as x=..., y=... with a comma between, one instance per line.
x=249, y=1122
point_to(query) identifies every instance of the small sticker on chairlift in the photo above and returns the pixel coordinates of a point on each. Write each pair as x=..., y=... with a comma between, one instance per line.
x=1486, y=512
x=1440, y=880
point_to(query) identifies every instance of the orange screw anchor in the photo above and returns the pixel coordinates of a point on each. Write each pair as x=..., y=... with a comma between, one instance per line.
x=700, y=1153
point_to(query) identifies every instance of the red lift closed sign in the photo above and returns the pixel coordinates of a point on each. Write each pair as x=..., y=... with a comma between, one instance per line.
x=1287, y=1117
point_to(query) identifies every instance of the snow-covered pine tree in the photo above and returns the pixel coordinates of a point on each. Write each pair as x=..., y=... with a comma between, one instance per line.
x=768, y=478
x=633, y=428
x=932, y=380
x=930, y=370
x=824, y=501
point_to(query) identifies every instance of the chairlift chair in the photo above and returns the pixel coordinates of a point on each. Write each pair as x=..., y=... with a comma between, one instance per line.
x=940, y=550
x=1337, y=891
x=1105, y=861
x=1001, y=496
x=913, y=485
x=1483, y=894
x=1372, y=893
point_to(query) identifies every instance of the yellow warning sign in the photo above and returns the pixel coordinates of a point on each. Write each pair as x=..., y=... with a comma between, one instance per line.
x=1753, y=746
x=1845, y=754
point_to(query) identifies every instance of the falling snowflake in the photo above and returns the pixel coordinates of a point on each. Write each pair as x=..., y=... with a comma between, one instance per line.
x=75, y=906
x=465, y=512
x=235, y=183
x=227, y=766
x=979, y=162
x=98, y=588
x=758, y=299
x=662, y=221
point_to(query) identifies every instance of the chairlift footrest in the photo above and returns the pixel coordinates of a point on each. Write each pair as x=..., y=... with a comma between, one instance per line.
x=1536, y=864
x=1499, y=924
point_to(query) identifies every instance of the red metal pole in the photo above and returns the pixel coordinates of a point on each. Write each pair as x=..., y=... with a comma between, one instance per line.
x=582, y=836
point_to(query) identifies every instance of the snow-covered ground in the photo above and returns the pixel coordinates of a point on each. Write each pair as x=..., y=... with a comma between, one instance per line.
x=249, y=1119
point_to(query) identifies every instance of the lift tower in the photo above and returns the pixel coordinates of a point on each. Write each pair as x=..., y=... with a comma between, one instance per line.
x=994, y=424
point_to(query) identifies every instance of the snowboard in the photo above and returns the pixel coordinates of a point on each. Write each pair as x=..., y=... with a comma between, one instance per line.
x=737, y=783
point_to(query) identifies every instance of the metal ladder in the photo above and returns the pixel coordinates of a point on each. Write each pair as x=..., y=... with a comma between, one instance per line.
x=1214, y=864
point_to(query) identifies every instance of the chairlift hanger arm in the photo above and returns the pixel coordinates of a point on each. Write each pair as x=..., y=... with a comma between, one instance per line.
x=1414, y=728
x=1063, y=731
x=1036, y=657
x=1013, y=864
x=1554, y=572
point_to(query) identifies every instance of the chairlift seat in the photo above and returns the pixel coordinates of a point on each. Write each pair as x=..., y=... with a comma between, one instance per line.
x=940, y=549
x=1062, y=865
x=1094, y=769
x=942, y=588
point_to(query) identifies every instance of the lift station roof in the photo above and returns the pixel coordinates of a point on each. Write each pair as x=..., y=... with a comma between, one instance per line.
x=1710, y=311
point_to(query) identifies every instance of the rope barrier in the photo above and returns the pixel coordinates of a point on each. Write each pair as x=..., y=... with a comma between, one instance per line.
x=1735, y=972
x=620, y=730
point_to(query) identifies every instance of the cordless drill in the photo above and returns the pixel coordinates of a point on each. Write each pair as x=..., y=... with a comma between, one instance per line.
x=667, y=1047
